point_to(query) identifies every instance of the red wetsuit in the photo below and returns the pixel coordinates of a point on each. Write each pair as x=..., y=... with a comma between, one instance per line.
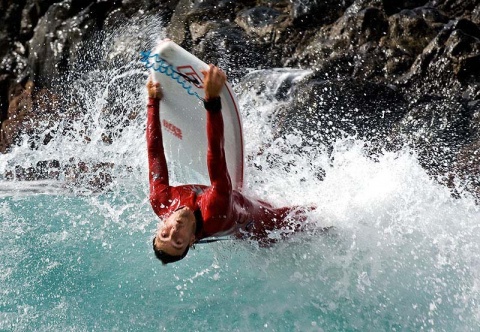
x=224, y=211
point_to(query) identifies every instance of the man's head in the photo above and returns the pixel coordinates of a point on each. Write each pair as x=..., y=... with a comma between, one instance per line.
x=175, y=235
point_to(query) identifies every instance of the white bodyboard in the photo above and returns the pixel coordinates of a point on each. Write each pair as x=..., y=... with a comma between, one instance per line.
x=183, y=116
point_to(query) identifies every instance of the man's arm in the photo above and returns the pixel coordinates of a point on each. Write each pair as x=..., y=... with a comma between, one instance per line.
x=157, y=164
x=216, y=162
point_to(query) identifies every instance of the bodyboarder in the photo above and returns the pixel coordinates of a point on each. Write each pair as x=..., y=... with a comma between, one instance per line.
x=190, y=213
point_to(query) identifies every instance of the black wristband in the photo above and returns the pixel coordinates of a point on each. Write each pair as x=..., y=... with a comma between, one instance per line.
x=213, y=105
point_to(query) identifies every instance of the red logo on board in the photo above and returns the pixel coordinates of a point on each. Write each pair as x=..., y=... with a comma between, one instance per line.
x=172, y=129
x=190, y=75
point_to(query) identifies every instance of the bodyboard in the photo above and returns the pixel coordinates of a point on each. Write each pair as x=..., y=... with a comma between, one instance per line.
x=183, y=116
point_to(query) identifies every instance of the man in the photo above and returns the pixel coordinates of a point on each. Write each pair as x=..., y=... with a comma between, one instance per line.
x=191, y=213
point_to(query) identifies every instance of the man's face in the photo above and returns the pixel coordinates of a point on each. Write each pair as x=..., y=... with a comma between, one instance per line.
x=177, y=232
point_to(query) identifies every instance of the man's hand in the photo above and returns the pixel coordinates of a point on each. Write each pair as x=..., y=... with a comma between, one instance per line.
x=214, y=79
x=154, y=89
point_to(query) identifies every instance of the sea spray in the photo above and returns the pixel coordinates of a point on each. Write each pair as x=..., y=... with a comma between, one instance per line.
x=101, y=116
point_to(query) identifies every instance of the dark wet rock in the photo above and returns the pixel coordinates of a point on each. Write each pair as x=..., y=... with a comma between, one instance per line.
x=82, y=175
x=189, y=12
x=273, y=84
x=4, y=43
x=257, y=17
x=474, y=109
x=369, y=24
x=437, y=128
x=409, y=32
x=317, y=12
x=19, y=111
x=11, y=11
x=476, y=15
x=4, y=102
x=333, y=108
x=75, y=175
x=393, y=7
x=164, y=8
x=457, y=8
x=359, y=5
x=31, y=111
x=450, y=64
x=48, y=169
x=19, y=172
x=9, y=175
x=230, y=47
x=431, y=15
x=178, y=27
x=261, y=21
x=31, y=13
x=347, y=34
x=467, y=170
x=59, y=35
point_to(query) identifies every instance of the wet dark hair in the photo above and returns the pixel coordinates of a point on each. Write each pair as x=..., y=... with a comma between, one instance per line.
x=167, y=258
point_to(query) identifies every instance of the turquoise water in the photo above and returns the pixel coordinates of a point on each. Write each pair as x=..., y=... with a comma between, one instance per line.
x=403, y=254
x=84, y=263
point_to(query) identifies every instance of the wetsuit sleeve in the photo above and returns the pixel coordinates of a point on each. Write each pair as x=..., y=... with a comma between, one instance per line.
x=157, y=164
x=217, y=199
x=216, y=162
